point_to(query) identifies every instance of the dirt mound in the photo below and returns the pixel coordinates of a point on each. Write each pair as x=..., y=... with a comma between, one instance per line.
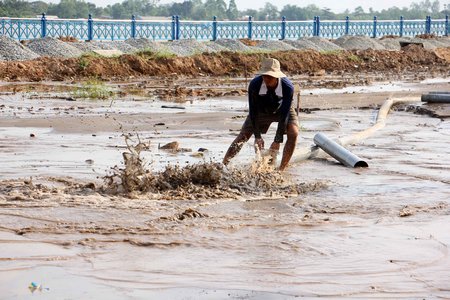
x=221, y=64
x=426, y=36
x=443, y=53
x=68, y=39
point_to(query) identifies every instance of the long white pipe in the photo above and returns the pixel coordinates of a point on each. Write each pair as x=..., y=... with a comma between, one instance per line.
x=314, y=151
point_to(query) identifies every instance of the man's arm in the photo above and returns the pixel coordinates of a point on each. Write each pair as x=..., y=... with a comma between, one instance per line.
x=253, y=90
x=288, y=93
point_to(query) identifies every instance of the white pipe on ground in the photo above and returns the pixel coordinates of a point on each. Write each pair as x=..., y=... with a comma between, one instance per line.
x=314, y=151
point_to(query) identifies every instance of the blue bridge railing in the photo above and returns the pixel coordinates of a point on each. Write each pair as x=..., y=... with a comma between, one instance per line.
x=175, y=29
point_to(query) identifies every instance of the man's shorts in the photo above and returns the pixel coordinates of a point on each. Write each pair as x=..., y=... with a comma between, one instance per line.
x=265, y=120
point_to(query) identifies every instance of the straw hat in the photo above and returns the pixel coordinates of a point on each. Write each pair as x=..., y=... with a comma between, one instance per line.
x=271, y=67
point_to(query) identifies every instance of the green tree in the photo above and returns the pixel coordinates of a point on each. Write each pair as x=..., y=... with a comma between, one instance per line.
x=197, y=10
x=435, y=7
x=118, y=11
x=251, y=13
x=15, y=8
x=311, y=10
x=232, y=11
x=182, y=9
x=69, y=9
x=216, y=8
x=359, y=12
x=292, y=13
x=327, y=14
x=38, y=7
x=269, y=12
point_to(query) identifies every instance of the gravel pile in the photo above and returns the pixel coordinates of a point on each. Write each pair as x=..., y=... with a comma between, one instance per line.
x=303, y=44
x=214, y=47
x=233, y=45
x=432, y=43
x=445, y=41
x=390, y=43
x=53, y=47
x=274, y=45
x=92, y=45
x=120, y=45
x=394, y=43
x=145, y=44
x=426, y=42
x=13, y=50
x=358, y=42
x=324, y=44
x=180, y=47
x=104, y=45
x=186, y=47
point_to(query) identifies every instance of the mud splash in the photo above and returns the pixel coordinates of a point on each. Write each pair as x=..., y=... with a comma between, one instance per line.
x=206, y=180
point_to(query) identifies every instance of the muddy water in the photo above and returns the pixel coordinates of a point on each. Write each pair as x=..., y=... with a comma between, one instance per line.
x=377, y=232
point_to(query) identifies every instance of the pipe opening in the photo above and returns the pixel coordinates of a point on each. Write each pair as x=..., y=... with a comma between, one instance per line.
x=361, y=164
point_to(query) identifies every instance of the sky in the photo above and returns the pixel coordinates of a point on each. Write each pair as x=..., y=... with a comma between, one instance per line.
x=336, y=6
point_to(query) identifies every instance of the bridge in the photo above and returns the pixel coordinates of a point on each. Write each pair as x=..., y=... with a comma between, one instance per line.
x=176, y=29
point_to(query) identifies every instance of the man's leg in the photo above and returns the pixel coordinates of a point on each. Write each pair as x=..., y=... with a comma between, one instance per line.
x=236, y=146
x=292, y=134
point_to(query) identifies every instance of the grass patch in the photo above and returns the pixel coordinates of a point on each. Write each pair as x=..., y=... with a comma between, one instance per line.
x=257, y=51
x=330, y=52
x=133, y=90
x=354, y=58
x=85, y=59
x=93, y=89
x=156, y=54
x=83, y=63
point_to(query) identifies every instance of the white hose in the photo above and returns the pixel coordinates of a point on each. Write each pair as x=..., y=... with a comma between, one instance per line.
x=314, y=151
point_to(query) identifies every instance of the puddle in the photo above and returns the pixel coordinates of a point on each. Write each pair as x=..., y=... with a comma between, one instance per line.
x=20, y=107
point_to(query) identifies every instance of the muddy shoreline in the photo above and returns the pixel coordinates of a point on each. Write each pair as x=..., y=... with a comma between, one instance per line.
x=375, y=232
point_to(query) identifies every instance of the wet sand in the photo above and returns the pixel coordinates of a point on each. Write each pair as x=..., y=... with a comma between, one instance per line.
x=379, y=232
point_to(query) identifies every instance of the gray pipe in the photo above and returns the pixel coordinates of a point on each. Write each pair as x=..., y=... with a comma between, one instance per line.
x=436, y=98
x=338, y=152
x=439, y=93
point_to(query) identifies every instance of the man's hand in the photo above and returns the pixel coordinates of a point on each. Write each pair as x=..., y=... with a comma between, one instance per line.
x=259, y=145
x=275, y=147
x=273, y=152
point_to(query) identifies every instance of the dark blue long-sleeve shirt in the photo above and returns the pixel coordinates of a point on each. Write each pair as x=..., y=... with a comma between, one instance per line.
x=270, y=103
